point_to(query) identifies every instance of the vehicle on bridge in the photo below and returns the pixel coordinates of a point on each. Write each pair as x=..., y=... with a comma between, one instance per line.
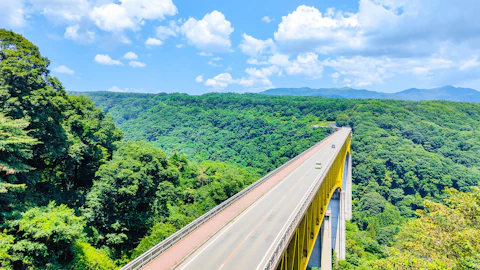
x=318, y=165
x=333, y=145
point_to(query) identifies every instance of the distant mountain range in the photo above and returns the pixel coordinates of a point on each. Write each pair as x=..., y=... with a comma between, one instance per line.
x=441, y=93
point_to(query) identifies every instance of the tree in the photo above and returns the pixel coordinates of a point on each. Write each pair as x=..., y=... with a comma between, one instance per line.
x=122, y=201
x=445, y=236
x=15, y=147
x=74, y=136
x=44, y=237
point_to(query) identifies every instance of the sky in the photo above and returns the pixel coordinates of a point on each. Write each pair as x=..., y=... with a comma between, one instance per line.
x=204, y=46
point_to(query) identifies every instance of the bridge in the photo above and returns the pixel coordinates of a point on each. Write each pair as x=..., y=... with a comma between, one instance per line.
x=291, y=218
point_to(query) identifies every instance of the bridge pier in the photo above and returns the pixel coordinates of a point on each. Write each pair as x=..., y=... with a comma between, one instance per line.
x=326, y=238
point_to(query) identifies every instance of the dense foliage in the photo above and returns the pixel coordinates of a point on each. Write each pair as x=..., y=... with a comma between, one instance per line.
x=72, y=196
x=404, y=152
x=445, y=236
x=250, y=131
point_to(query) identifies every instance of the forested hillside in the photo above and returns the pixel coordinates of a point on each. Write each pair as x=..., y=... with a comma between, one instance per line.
x=404, y=152
x=72, y=195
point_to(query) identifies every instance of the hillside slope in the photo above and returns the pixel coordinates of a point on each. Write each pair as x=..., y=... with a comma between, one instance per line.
x=403, y=151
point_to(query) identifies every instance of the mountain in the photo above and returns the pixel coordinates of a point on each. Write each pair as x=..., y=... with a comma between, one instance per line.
x=441, y=93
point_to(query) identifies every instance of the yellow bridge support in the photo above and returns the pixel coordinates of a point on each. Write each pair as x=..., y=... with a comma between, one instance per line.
x=297, y=254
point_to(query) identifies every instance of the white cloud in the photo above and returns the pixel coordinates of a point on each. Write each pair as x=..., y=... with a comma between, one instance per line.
x=12, y=14
x=205, y=54
x=279, y=60
x=130, y=56
x=307, y=29
x=216, y=58
x=164, y=32
x=210, y=34
x=64, y=70
x=306, y=64
x=179, y=46
x=363, y=71
x=199, y=78
x=131, y=14
x=61, y=11
x=105, y=59
x=252, y=46
x=257, y=82
x=382, y=28
x=256, y=62
x=137, y=64
x=220, y=81
x=267, y=19
x=153, y=42
x=112, y=17
x=125, y=90
x=382, y=40
x=72, y=33
x=263, y=72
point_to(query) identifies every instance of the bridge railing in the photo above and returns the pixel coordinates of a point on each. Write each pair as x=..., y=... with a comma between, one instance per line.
x=161, y=247
x=285, y=240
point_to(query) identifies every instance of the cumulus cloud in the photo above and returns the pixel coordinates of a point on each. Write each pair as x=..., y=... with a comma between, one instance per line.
x=72, y=33
x=306, y=64
x=381, y=28
x=12, y=14
x=257, y=80
x=163, y=32
x=137, y=64
x=199, y=78
x=210, y=34
x=179, y=46
x=105, y=59
x=220, y=81
x=153, y=42
x=131, y=14
x=130, y=56
x=380, y=41
x=252, y=46
x=60, y=11
x=263, y=72
x=112, y=17
x=64, y=70
x=279, y=60
x=307, y=29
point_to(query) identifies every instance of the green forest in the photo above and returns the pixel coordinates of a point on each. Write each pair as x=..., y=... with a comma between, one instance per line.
x=91, y=181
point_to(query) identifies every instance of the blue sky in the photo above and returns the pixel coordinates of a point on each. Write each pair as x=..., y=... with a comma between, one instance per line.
x=249, y=46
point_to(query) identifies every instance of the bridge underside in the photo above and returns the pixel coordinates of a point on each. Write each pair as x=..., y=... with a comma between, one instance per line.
x=299, y=251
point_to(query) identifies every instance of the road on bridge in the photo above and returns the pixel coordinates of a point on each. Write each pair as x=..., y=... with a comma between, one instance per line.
x=248, y=240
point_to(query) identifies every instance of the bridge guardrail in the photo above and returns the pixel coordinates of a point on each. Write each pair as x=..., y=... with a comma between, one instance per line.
x=161, y=247
x=276, y=255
